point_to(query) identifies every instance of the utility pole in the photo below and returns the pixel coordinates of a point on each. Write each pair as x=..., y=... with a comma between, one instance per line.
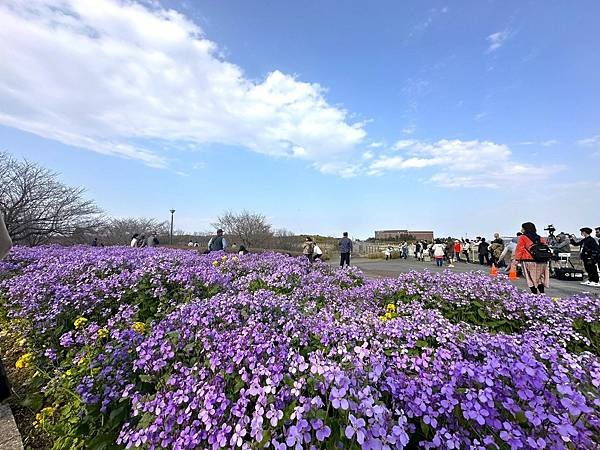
x=171, y=237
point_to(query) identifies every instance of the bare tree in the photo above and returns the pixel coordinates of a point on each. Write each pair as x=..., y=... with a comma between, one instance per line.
x=120, y=231
x=252, y=229
x=37, y=207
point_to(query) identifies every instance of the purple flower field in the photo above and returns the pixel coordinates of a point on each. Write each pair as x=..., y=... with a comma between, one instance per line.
x=169, y=349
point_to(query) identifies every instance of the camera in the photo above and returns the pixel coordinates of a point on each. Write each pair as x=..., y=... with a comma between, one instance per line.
x=550, y=228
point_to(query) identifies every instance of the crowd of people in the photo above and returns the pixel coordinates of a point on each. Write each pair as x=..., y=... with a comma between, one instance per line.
x=522, y=250
x=141, y=240
x=514, y=251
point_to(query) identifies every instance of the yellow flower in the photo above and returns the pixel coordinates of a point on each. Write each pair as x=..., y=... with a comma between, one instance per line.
x=383, y=318
x=391, y=308
x=215, y=263
x=44, y=414
x=102, y=333
x=224, y=258
x=235, y=258
x=80, y=322
x=139, y=327
x=24, y=361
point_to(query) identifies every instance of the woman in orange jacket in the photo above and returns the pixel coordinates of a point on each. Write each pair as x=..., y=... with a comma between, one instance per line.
x=537, y=274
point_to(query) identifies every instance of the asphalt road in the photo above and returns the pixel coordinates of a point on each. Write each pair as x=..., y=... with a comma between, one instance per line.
x=378, y=268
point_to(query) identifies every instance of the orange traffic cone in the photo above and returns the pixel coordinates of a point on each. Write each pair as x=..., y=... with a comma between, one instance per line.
x=494, y=271
x=512, y=274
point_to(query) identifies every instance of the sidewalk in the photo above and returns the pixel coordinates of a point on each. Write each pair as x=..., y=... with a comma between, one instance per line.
x=377, y=268
x=10, y=439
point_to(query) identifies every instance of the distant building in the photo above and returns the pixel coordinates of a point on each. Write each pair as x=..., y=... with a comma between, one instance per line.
x=404, y=234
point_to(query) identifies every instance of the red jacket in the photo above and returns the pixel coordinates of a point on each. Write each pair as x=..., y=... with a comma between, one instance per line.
x=457, y=247
x=522, y=252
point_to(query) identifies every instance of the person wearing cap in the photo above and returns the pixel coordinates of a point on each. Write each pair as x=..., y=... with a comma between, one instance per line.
x=218, y=242
x=590, y=254
x=5, y=246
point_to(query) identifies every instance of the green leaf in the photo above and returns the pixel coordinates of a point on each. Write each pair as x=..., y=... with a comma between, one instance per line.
x=101, y=442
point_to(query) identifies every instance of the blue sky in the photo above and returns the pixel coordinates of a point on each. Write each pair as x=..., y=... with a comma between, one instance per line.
x=463, y=117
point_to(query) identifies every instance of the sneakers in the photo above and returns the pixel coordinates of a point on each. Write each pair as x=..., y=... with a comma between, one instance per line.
x=590, y=283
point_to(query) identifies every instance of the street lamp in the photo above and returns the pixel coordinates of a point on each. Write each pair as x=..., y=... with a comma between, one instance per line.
x=171, y=239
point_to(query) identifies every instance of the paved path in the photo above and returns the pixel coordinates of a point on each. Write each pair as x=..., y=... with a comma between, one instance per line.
x=10, y=439
x=377, y=268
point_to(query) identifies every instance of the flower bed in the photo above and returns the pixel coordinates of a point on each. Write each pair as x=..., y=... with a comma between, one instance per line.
x=160, y=348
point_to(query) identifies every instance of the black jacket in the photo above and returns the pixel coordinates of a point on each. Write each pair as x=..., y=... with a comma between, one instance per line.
x=590, y=252
x=483, y=248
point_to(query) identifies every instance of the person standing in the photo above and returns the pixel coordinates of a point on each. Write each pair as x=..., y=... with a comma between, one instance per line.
x=483, y=252
x=5, y=246
x=345, y=247
x=466, y=248
x=218, y=242
x=388, y=253
x=152, y=240
x=457, y=250
x=536, y=273
x=404, y=250
x=590, y=255
x=94, y=242
x=439, y=252
x=418, y=250
x=510, y=247
x=598, y=241
x=134, y=240
x=308, y=248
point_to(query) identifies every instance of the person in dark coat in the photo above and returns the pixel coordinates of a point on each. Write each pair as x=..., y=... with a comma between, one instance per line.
x=483, y=252
x=5, y=246
x=590, y=255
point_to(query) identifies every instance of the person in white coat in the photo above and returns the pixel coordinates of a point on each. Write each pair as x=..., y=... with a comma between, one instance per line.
x=439, y=252
x=317, y=252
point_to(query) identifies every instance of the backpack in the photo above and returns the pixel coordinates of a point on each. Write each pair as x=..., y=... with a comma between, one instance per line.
x=540, y=252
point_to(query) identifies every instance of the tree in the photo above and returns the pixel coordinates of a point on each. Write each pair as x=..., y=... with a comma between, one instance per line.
x=252, y=229
x=120, y=231
x=38, y=207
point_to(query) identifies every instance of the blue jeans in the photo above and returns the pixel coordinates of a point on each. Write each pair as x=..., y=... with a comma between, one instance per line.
x=439, y=262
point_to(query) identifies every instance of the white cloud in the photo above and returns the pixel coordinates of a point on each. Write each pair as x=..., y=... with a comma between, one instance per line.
x=376, y=145
x=368, y=155
x=457, y=163
x=593, y=141
x=497, y=40
x=548, y=143
x=409, y=129
x=404, y=143
x=113, y=76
